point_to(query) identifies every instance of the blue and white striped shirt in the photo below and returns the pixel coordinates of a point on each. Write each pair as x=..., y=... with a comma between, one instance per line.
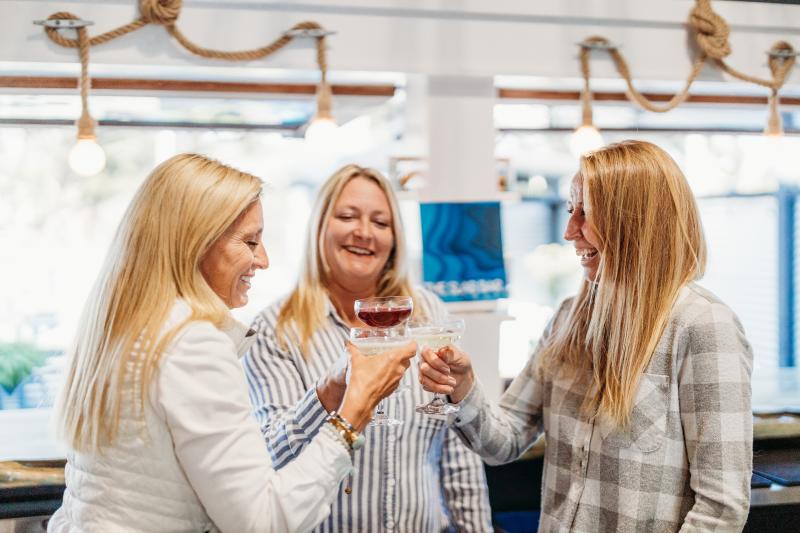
x=412, y=478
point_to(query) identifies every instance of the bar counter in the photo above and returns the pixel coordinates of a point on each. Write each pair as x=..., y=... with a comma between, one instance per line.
x=34, y=488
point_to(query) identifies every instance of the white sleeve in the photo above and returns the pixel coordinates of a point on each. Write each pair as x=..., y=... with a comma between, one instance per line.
x=202, y=392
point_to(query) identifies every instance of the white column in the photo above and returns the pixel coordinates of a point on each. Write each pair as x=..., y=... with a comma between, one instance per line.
x=461, y=142
x=461, y=168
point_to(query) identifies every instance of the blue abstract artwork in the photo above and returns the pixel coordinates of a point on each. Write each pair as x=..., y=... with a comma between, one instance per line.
x=462, y=251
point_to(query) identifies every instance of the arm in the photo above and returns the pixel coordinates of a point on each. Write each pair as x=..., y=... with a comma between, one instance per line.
x=201, y=393
x=288, y=414
x=464, y=486
x=714, y=395
x=501, y=432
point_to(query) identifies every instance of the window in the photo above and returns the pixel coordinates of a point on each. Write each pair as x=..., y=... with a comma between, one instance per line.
x=735, y=178
x=55, y=227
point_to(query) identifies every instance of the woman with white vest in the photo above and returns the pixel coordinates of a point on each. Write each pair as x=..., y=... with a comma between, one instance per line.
x=155, y=407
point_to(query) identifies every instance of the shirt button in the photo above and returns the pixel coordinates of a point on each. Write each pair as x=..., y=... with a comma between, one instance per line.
x=390, y=482
x=390, y=525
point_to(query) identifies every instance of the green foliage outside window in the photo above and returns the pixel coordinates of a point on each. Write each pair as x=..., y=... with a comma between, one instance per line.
x=17, y=361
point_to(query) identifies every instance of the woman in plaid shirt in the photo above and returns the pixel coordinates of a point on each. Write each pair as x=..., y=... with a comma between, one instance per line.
x=640, y=383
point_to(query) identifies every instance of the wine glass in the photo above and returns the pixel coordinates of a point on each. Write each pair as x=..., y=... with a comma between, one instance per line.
x=436, y=335
x=384, y=311
x=375, y=342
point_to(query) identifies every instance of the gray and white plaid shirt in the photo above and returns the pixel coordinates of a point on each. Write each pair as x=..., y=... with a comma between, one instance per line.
x=682, y=464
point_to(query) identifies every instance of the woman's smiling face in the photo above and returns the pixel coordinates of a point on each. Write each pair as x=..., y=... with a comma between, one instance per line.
x=233, y=259
x=359, y=237
x=581, y=232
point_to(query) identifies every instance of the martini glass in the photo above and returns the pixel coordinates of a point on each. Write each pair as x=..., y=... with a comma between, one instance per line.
x=384, y=311
x=374, y=342
x=437, y=335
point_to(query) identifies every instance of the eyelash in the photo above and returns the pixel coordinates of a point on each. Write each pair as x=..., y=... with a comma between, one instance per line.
x=571, y=210
x=252, y=243
x=347, y=218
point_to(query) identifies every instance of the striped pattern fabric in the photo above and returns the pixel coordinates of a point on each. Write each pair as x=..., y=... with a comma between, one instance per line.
x=684, y=461
x=416, y=477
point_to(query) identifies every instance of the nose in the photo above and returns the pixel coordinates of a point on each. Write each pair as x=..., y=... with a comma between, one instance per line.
x=573, y=231
x=261, y=260
x=363, y=229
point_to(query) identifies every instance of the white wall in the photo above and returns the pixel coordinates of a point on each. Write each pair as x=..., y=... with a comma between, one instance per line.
x=475, y=38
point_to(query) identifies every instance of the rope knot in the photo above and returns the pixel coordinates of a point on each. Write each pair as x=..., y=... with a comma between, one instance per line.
x=164, y=12
x=780, y=66
x=712, y=30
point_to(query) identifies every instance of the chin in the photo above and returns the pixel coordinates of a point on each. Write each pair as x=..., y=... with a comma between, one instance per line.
x=239, y=302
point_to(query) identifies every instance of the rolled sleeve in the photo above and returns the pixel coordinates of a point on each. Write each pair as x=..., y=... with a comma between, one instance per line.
x=288, y=412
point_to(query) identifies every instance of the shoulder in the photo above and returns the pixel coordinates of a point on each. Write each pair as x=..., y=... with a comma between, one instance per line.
x=428, y=301
x=430, y=304
x=707, y=324
x=199, y=338
x=696, y=305
x=266, y=321
x=559, y=315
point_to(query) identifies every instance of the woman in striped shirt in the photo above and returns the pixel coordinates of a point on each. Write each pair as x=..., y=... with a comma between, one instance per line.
x=415, y=477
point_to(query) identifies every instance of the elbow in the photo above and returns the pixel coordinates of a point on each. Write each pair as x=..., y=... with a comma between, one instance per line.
x=740, y=511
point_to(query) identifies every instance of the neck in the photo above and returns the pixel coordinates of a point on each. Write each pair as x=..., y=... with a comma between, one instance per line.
x=344, y=300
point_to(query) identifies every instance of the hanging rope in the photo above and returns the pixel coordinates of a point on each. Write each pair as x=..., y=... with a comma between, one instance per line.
x=165, y=13
x=711, y=36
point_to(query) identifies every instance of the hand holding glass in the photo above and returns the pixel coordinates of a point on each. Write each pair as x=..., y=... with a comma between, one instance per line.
x=385, y=312
x=376, y=342
x=437, y=335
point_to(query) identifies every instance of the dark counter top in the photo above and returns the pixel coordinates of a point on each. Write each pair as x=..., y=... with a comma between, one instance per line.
x=30, y=488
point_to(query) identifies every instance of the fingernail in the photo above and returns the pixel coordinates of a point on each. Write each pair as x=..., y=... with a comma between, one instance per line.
x=451, y=381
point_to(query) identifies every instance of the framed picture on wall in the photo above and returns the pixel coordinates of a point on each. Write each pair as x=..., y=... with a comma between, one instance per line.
x=462, y=251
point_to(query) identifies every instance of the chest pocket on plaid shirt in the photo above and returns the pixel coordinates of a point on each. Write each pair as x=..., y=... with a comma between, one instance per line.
x=647, y=427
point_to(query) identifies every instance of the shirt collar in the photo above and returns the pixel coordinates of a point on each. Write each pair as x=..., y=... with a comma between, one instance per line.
x=242, y=336
x=330, y=310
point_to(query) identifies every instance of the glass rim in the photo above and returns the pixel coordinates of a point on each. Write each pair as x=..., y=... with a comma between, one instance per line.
x=383, y=299
x=379, y=333
x=457, y=324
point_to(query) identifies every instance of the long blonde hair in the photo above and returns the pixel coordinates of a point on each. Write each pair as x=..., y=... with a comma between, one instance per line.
x=178, y=212
x=306, y=304
x=651, y=245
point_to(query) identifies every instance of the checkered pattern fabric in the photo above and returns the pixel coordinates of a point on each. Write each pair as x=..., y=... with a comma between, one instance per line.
x=682, y=464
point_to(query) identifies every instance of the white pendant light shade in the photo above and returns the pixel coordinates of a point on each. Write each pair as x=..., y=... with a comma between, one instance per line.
x=585, y=139
x=87, y=158
x=321, y=131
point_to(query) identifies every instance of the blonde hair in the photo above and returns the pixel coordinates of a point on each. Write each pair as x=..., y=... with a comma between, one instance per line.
x=306, y=304
x=651, y=245
x=180, y=210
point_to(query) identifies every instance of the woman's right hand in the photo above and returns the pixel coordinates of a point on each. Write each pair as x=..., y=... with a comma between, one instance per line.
x=448, y=371
x=371, y=380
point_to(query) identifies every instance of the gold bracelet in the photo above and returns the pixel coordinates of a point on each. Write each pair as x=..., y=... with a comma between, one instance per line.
x=353, y=438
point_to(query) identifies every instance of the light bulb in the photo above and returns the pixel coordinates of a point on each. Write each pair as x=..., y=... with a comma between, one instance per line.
x=585, y=139
x=87, y=158
x=321, y=131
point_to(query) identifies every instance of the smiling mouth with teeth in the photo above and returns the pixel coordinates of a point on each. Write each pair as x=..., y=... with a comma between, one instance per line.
x=586, y=254
x=359, y=251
